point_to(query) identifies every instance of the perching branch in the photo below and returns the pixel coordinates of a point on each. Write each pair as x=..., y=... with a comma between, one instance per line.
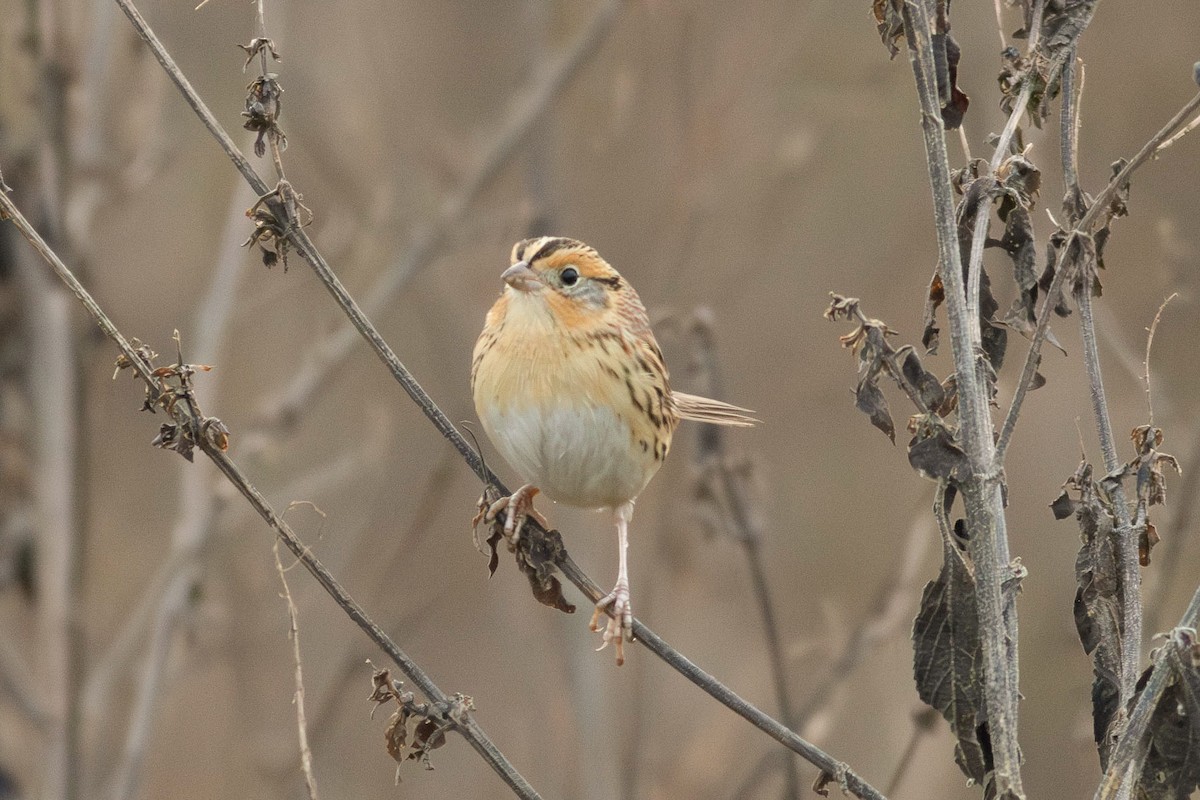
x=840, y=771
x=307, y=250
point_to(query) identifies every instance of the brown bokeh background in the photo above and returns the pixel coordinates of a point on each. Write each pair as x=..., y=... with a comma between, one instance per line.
x=748, y=157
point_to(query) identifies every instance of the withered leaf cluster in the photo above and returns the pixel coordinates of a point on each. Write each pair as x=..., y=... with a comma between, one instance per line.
x=537, y=553
x=1083, y=256
x=1062, y=23
x=933, y=450
x=275, y=215
x=188, y=427
x=415, y=729
x=1098, y=598
x=1172, y=767
x=889, y=21
x=264, y=104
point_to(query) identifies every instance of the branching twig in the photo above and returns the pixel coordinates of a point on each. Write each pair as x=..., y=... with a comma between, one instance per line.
x=1131, y=578
x=1054, y=292
x=729, y=490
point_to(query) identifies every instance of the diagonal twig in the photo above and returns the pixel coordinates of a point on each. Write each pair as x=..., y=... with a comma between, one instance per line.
x=525, y=111
x=469, y=729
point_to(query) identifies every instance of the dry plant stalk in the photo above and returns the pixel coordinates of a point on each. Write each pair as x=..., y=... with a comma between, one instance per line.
x=965, y=636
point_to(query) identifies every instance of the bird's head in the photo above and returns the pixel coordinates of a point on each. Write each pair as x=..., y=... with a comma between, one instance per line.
x=566, y=274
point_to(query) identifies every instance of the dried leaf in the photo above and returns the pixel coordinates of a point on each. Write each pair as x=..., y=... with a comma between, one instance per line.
x=1147, y=539
x=928, y=387
x=889, y=22
x=1062, y=22
x=947, y=661
x=870, y=400
x=954, y=100
x=1172, y=767
x=934, y=454
x=1097, y=609
x=936, y=296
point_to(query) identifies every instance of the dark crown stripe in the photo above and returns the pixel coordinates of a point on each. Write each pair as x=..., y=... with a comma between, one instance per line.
x=548, y=247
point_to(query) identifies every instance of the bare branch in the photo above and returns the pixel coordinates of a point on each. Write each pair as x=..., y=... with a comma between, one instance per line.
x=850, y=780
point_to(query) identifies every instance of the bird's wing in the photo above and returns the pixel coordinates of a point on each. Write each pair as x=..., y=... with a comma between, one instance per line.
x=703, y=409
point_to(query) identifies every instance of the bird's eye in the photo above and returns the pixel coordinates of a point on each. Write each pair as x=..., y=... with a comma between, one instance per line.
x=570, y=276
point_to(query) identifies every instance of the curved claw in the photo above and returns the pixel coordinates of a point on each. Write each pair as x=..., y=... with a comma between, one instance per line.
x=519, y=508
x=619, y=627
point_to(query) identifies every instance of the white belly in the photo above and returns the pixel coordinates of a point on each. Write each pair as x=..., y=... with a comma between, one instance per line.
x=581, y=456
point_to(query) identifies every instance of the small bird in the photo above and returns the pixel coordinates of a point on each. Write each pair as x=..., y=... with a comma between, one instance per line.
x=571, y=388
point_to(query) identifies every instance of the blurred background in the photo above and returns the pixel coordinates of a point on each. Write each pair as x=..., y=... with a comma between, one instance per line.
x=748, y=158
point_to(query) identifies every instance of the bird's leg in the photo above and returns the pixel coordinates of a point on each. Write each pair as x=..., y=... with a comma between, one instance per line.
x=518, y=507
x=616, y=603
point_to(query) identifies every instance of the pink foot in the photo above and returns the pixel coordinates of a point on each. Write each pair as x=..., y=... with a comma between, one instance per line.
x=518, y=508
x=619, y=627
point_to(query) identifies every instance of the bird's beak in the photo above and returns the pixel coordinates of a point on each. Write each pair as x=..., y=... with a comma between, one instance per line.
x=521, y=277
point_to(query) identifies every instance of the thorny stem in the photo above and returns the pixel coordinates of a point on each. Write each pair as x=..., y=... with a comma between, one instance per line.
x=469, y=729
x=981, y=491
x=1130, y=751
x=1082, y=228
x=408, y=382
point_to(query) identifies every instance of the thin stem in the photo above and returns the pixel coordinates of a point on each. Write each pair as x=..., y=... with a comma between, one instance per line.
x=746, y=531
x=310, y=777
x=1068, y=127
x=469, y=729
x=1127, y=545
x=981, y=491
